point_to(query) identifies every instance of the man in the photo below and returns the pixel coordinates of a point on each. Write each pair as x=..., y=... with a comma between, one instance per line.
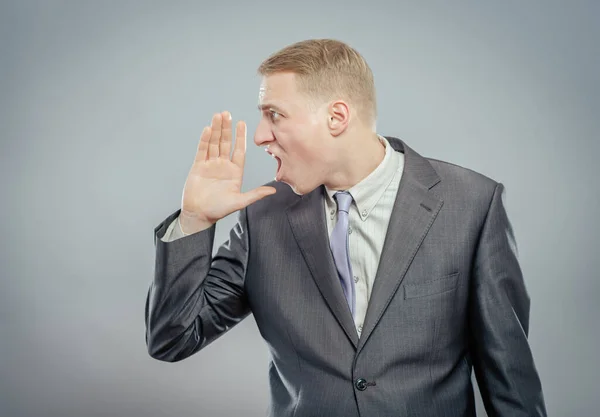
x=378, y=278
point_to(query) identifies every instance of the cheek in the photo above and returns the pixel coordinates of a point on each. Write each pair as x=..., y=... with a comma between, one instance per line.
x=301, y=145
x=308, y=154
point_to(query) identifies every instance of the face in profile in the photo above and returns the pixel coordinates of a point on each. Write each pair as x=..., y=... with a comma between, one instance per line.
x=294, y=132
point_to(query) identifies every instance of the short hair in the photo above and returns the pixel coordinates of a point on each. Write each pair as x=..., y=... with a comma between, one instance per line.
x=328, y=69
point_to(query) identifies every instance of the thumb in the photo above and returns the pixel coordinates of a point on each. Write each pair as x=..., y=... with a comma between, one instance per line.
x=257, y=194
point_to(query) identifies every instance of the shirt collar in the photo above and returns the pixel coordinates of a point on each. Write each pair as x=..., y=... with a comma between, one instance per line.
x=368, y=191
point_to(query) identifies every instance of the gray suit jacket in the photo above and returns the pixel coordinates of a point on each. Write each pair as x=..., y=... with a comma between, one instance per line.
x=448, y=297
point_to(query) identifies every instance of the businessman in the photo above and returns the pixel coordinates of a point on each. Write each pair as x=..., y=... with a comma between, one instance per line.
x=379, y=279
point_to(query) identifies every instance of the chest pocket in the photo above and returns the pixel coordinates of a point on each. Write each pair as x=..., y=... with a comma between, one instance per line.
x=429, y=288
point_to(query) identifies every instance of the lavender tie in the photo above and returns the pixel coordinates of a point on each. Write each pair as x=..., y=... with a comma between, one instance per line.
x=339, y=247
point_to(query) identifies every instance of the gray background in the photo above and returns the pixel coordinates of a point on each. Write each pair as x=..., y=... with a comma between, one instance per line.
x=102, y=106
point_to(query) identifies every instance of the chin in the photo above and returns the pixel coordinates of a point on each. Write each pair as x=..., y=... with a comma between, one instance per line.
x=291, y=185
x=300, y=189
x=296, y=190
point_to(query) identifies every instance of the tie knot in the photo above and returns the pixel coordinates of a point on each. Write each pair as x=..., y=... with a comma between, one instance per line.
x=343, y=199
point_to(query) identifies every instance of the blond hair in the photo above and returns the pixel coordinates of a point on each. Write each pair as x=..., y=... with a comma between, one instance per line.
x=328, y=69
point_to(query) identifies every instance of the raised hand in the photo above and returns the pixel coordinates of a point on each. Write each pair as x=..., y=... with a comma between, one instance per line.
x=213, y=187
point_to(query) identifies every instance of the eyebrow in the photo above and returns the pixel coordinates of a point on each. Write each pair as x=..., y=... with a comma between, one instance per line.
x=263, y=107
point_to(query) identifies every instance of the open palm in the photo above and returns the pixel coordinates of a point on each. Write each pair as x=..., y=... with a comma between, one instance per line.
x=213, y=186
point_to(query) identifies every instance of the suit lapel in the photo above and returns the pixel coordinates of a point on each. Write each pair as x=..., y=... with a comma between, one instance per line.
x=415, y=209
x=307, y=220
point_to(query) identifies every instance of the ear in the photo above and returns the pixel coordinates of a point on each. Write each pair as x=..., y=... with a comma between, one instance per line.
x=338, y=117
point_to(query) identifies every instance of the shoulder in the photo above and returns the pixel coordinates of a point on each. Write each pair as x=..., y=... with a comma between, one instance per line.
x=457, y=185
x=454, y=175
x=443, y=173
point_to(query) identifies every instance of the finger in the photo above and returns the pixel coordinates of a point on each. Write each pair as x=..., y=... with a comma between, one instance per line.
x=203, y=144
x=239, y=152
x=259, y=193
x=225, y=144
x=215, y=136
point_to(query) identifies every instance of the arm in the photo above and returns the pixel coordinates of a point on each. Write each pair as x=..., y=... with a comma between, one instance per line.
x=499, y=322
x=194, y=297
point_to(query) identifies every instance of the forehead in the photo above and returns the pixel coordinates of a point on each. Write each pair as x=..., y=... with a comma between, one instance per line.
x=278, y=86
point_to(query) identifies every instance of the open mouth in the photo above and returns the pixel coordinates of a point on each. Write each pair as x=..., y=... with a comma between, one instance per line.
x=278, y=163
x=278, y=168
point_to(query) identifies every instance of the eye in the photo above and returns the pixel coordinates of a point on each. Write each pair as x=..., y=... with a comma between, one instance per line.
x=274, y=115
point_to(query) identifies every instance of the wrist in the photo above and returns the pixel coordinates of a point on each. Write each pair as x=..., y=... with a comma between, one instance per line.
x=191, y=223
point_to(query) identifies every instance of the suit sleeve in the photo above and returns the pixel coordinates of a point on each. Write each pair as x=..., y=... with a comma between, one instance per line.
x=173, y=232
x=194, y=297
x=499, y=320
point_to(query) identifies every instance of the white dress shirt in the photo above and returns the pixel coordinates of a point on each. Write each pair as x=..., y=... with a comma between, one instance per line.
x=368, y=219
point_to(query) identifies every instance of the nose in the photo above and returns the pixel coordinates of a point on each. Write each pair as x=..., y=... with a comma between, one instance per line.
x=263, y=134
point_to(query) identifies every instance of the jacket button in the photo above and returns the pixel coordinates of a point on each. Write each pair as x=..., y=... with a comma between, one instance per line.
x=361, y=384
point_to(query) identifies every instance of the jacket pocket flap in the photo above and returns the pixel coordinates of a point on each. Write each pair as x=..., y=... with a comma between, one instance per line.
x=436, y=286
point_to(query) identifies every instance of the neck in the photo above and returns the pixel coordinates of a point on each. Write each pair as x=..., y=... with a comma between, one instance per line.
x=356, y=158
